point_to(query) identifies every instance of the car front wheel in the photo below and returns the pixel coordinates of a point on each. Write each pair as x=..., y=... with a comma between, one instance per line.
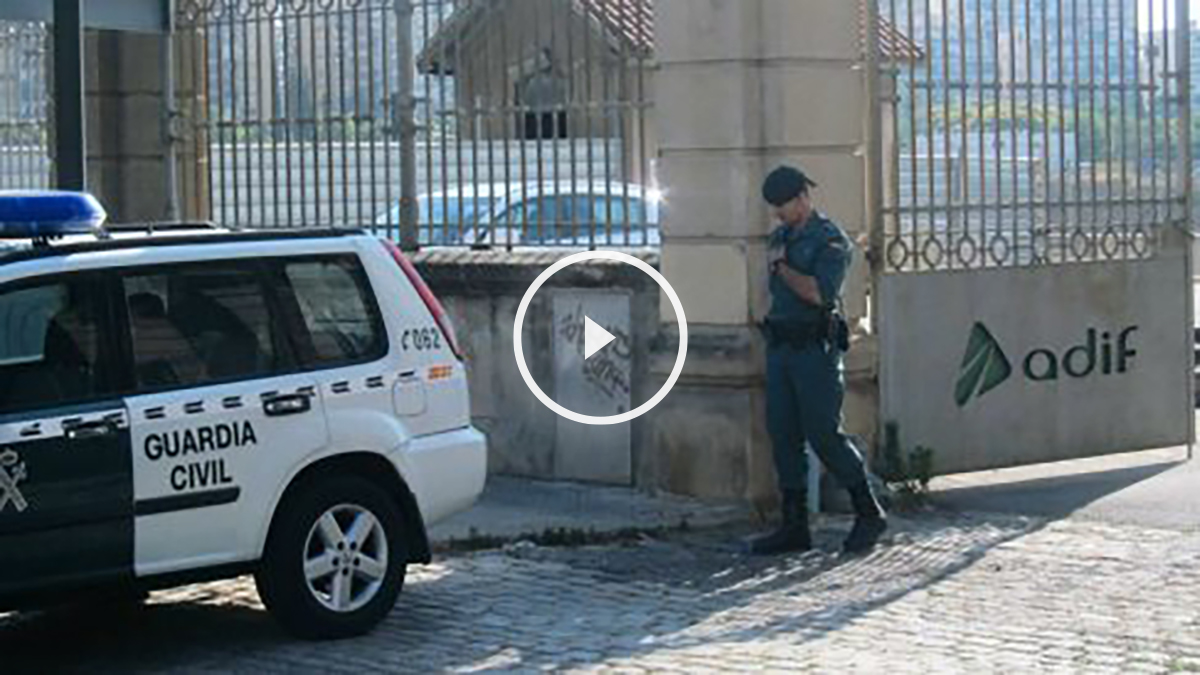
x=336, y=559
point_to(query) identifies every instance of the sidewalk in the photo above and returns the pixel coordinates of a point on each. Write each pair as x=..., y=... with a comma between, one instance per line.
x=1156, y=489
x=517, y=508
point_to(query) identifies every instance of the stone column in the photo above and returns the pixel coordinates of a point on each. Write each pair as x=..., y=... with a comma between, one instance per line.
x=744, y=85
x=126, y=145
x=191, y=146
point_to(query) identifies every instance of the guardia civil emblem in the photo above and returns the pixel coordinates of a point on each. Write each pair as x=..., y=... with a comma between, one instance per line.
x=12, y=474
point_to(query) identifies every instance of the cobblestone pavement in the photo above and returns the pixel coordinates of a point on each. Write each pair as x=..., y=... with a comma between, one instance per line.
x=947, y=594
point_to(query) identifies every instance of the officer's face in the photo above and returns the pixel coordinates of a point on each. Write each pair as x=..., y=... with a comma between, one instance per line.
x=794, y=212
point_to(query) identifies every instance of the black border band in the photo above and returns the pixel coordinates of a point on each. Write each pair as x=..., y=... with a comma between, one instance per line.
x=198, y=500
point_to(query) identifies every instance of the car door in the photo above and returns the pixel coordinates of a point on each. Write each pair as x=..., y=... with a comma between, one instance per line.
x=220, y=413
x=66, y=489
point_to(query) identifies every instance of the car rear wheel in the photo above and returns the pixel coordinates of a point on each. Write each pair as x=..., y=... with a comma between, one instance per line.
x=335, y=561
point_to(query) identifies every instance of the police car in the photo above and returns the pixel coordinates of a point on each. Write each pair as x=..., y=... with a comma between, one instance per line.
x=181, y=403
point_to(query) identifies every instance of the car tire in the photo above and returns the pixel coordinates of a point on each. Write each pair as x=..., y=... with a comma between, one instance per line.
x=324, y=574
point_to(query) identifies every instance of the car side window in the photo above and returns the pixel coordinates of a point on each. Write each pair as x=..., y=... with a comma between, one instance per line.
x=616, y=209
x=542, y=210
x=51, y=344
x=200, y=323
x=340, y=318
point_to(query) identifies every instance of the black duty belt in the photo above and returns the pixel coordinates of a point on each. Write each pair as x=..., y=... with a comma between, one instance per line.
x=794, y=333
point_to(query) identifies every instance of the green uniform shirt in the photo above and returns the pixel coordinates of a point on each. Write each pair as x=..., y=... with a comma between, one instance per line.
x=817, y=249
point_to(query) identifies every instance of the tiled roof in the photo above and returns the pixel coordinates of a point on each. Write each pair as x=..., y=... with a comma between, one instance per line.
x=894, y=45
x=626, y=23
x=630, y=24
x=632, y=21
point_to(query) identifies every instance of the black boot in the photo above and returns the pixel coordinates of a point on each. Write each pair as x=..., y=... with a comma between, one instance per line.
x=792, y=536
x=870, y=522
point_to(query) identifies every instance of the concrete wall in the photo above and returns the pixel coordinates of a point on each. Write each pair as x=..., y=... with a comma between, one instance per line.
x=1076, y=361
x=481, y=291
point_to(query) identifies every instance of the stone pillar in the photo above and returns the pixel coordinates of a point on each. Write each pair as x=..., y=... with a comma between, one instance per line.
x=126, y=142
x=744, y=85
x=191, y=146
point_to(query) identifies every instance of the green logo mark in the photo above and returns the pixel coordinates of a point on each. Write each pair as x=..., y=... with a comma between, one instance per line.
x=984, y=366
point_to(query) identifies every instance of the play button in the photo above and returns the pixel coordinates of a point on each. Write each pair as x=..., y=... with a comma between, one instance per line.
x=595, y=338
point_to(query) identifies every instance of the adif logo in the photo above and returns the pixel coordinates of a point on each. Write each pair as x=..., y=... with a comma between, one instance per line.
x=984, y=366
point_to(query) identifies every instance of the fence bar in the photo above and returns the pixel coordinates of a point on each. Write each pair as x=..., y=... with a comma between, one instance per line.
x=1183, y=37
x=875, y=194
x=918, y=256
x=391, y=117
x=1168, y=79
x=1153, y=113
x=1060, y=80
x=169, y=114
x=405, y=123
x=1183, y=21
x=1077, y=24
x=889, y=205
x=1013, y=126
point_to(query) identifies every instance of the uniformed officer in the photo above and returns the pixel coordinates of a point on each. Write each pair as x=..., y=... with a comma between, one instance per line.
x=806, y=336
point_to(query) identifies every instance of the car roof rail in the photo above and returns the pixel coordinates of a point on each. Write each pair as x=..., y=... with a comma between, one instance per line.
x=151, y=227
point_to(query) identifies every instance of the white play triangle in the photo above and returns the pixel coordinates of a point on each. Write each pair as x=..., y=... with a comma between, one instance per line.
x=595, y=338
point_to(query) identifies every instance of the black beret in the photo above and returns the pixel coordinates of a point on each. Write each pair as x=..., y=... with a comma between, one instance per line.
x=785, y=184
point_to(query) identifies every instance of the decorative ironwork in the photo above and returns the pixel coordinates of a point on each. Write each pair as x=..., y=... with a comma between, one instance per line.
x=1031, y=133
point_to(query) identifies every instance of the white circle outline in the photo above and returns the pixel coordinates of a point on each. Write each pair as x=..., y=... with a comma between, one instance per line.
x=518, y=349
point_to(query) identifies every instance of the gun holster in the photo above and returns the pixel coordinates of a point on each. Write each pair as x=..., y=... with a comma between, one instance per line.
x=839, y=330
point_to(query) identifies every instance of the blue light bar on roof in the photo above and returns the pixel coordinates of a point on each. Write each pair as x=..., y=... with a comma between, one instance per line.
x=28, y=214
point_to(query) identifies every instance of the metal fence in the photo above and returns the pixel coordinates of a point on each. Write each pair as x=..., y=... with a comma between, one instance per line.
x=438, y=122
x=1030, y=132
x=25, y=161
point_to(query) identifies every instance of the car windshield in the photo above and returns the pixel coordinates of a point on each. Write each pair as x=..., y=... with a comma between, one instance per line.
x=441, y=218
x=582, y=219
x=452, y=209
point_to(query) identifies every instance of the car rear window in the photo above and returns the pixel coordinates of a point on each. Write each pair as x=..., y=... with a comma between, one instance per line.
x=341, y=321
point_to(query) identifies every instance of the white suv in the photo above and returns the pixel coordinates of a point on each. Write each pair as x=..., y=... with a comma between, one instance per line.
x=192, y=404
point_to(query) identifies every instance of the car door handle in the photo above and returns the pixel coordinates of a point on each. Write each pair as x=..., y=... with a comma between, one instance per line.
x=77, y=430
x=287, y=404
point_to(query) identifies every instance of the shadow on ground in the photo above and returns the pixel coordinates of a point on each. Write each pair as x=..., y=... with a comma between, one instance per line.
x=1058, y=496
x=104, y=639
x=532, y=608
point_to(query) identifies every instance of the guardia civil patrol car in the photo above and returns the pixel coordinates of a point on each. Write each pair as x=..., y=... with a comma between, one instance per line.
x=182, y=403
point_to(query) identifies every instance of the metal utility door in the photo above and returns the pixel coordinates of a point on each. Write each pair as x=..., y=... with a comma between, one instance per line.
x=599, y=386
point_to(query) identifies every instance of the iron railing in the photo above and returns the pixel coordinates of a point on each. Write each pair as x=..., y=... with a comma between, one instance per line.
x=1028, y=132
x=25, y=157
x=500, y=122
